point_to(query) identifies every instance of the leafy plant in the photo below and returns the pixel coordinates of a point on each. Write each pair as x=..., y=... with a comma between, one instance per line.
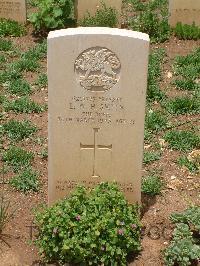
x=104, y=17
x=182, y=250
x=187, y=32
x=190, y=216
x=92, y=227
x=193, y=167
x=183, y=105
x=42, y=81
x=152, y=185
x=186, y=84
x=23, y=105
x=19, y=87
x=17, y=130
x=51, y=14
x=18, y=158
x=155, y=121
x=150, y=157
x=11, y=28
x=5, y=45
x=26, y=181
x=154, y=75
x=182, y=140
x=153, y=20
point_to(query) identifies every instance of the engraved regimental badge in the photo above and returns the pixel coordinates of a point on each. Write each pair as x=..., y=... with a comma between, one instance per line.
x=97, y=69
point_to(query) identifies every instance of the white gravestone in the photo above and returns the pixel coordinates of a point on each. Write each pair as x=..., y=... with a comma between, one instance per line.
x=97, y=89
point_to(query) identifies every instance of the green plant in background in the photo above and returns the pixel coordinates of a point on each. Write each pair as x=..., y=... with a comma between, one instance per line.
x=18, y=158
x=184, y=84
x=156, y=59
x=182, y=140
x=152, y=19
x=51, y=14
x=193, y=167
x=183, y=105
x=42, y=81
x=184, y=248
x=187, y=32
x=95, y=227
x=37, y=52
x=18, y=130
x=155, y=121
x=11, y=28
x=150, y=156
x=19, y=87
x=187, y=69
x=26, y=181
x=5, y=45
x=190, y=216
x=23, y=105
x=152, y=185
x=104, y=17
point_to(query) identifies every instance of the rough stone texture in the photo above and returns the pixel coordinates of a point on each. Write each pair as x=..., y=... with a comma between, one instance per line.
x=15, y=10
x=91, y=6
x=97, y=89
x=185, y=11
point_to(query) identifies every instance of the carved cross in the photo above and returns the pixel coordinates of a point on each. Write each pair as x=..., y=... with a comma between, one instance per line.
x=95, y=147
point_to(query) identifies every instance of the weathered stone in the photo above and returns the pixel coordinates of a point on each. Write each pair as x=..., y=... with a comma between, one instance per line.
x=97, y=87
x=15, y=10
x=184, y=11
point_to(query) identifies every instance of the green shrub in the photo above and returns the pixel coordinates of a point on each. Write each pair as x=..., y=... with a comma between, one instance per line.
x=156, y=59
x=11, y=28
x=152, y=185
x=190, y=216
x=189, y=85
x=26, y=181
x=182, y=140
x=23, y=105
x=18, y=158
x=183, y=105
x=150, y=157
x=155, y=121
x=104, y=17
x=187, y=32
x=5, y=45
x=19, y=87
x=51, y=14
x=42, y=81
x=18, y=130
x=95, y=227
x=182, y=250
x=193, y=167
x=153, y=20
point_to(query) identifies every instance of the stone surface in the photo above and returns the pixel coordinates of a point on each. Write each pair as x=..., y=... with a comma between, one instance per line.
x=97, y=89
x=15, y=10
x=185, y=11
x=91, y=6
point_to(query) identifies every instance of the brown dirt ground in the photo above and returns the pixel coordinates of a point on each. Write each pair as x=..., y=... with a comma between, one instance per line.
x=15, y=246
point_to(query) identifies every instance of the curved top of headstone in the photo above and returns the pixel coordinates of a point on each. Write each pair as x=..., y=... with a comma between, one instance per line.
x=98, y=31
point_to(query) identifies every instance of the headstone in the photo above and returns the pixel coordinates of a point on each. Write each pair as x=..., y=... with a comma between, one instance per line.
x=13, y=9
x=97, y=87
x=184, y=11
x=84, y=6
